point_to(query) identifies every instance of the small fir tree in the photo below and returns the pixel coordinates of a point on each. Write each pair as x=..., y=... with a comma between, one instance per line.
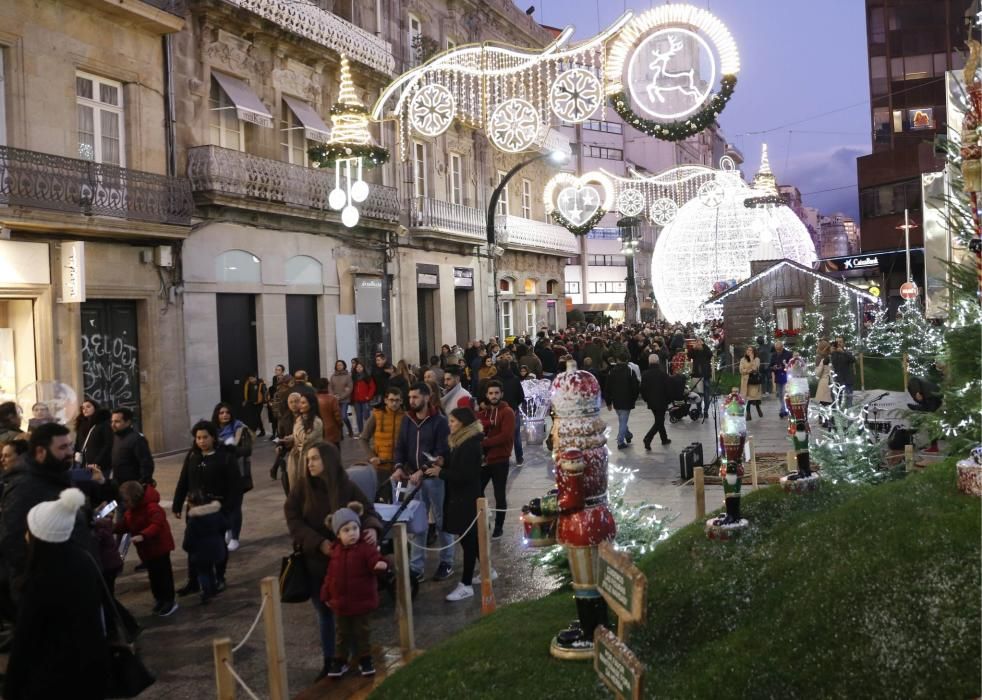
x=812, y=325
x=848, y=450
x=843, y=322
x=765, y=323
x=909, y=333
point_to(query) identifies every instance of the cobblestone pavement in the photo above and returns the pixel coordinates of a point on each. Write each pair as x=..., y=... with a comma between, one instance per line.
x=178, y=648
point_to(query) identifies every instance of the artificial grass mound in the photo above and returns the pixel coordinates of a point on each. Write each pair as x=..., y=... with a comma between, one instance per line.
x=856, y=591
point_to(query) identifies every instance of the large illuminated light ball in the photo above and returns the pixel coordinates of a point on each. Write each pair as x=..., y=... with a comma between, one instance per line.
x=704, y=245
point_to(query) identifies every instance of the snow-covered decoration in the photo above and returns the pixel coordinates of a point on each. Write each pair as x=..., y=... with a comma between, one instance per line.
x=711, y=194
x=849, y=449
x=970, y=473
x=579, y=202
x=579, y=502
x=714, y=243
x=575, y=95
x=514, y=125
x=432, y=110
x=485, y=79
x=796, y=398
x=678, y=185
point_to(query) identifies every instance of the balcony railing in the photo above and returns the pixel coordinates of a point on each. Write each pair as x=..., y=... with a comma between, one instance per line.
x=233, y=173
x=516, y=232
x=174, y=7
x=45, y=181
x=325, y=28
x=438, y=216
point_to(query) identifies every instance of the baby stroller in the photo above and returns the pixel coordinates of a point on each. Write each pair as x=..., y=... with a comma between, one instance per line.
x=683, y=400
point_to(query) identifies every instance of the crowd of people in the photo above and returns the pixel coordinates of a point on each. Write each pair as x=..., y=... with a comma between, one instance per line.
x=439, y=433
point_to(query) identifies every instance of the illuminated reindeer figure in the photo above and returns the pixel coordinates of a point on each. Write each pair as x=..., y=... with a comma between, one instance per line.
x=684, y=81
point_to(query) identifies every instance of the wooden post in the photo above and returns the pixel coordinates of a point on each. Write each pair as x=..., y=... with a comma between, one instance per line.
x=862, y=373
x=909, y=458
x=698, y=475
x=623, y=630
x=275, y=646
x=404, y=594
x=904, y=362
x=753, y=462
x=792, y=461
x=224, y=683
x=484, y=557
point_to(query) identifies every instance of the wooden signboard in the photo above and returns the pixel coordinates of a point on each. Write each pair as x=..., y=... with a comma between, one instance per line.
x=622, y=584
x=616, y=665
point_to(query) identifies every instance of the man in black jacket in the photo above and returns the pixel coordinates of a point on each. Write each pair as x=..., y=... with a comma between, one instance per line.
x=654, y=391
x=211, y=469
x=40, y=476
x=514, y=396
x=131, y=459
x=620, y=392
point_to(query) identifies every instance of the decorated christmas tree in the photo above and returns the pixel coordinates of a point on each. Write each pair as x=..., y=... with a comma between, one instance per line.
x=909, y=333
x=812, y=325
x=764, y=324
x=843, y=323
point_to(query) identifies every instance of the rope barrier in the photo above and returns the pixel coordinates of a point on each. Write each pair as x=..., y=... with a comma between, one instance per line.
x=253, y=626
x=452, y=544
x=238, y=679
x=504, y=510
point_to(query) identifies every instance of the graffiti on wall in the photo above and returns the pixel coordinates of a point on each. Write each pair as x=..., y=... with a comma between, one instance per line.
x=109, y=370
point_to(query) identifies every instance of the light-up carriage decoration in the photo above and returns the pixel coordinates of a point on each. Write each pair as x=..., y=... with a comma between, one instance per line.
x=534, y=410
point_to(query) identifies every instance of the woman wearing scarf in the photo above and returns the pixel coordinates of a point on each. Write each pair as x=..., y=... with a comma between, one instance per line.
x=237, y=437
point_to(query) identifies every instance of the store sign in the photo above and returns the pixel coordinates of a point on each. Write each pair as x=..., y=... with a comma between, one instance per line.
x=463, y=278
x=368, y=299
x=72, y=272
x=859, y=263
x=919, y=119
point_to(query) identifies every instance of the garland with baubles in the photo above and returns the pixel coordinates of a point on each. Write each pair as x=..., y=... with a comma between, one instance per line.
x=676, y=131
x=582, y=228
x=325, y=155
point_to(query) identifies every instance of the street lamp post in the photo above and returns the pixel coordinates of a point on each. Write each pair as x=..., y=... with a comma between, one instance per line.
x=557, y=157
x=630, y=239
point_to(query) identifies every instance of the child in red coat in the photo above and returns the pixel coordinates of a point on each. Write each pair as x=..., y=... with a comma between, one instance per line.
x=351, y=589
x=146, y=521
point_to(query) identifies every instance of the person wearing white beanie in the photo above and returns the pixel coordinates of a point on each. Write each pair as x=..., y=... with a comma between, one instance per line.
x=60, y=649
x=53, y=521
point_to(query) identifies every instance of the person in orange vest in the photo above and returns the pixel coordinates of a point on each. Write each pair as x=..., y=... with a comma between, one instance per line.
x=382, y=430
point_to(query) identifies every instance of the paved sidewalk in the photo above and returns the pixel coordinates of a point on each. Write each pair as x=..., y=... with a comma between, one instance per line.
x=178, y=648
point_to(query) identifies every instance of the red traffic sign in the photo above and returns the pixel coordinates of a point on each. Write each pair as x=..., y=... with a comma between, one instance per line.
x=908, y=290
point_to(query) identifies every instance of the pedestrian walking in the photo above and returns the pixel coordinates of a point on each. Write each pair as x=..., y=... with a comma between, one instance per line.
x=237, y=437
x=341, y=386
x=254, y=397
x=750, y=381
x=382, y=431
x=130, y=458
x=94, y=436
x=779, y=369
x=362, y=394
x=330, y=413
x=308, y=429
x=498, y=424
x=620, y=393
x=764, y=353
x=204, y=541
x=279, y=376
x=843, y=368
x=654, y=391
x=146, y=522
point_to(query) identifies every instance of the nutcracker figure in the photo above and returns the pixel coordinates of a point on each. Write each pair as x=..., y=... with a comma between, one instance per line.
x=578, y=504
x=732, y=439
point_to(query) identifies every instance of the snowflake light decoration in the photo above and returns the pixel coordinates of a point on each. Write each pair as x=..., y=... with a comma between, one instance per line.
x=432, y=110
x=630, y=202
x=663, y=211
x=575, y=95
x=514, y=125
x=711, y=194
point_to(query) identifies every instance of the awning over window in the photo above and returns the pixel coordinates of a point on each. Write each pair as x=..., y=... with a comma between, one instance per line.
x=314, y=127
x=248, y=106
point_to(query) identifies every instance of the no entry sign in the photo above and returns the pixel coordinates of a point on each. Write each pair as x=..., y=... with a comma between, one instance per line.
x=908, y=290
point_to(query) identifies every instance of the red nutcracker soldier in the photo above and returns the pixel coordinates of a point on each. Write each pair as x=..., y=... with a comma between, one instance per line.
x=579, y=504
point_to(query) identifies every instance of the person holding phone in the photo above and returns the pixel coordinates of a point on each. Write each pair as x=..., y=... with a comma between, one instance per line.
x=423, y=443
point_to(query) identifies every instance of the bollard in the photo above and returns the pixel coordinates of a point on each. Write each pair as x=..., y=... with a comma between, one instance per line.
x=699, y=478
x=905, y=363
x=753, y=463
x=224, y=683
x=862, y=374
x=909, y=458
x=484, y=557
x=275, y=646
x=404, y=593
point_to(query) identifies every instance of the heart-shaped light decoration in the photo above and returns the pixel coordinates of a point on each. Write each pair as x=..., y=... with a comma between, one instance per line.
x=579, y=202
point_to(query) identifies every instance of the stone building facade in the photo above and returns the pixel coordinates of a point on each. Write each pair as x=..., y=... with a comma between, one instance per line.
x=90, y=211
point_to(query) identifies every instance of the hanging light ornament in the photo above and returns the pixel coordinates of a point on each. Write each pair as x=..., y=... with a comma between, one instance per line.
x=350, y=149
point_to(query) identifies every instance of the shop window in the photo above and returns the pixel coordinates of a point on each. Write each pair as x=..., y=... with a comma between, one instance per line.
x=18, y=367
x=303, y=269
x=237, y=266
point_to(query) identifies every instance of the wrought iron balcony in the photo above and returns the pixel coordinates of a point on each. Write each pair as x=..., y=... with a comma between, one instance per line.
x=174, y=7
x=325, y=28
x=44, y=181
x=220, y=171
x=434, y=216
x=515, y=232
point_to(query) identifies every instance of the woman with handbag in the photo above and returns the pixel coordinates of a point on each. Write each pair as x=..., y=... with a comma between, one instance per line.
x=324, y=489
x=237, y=436
x=60, y=648
x=750, y=380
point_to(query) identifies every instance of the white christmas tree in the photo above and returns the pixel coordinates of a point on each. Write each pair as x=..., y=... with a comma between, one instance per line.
x=843, y=324
x=909, y=333
x=765, y=323
x=847, y=450
x=811, y=325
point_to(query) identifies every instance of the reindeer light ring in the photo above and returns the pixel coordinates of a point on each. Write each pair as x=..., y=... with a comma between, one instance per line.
x=652, y=65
